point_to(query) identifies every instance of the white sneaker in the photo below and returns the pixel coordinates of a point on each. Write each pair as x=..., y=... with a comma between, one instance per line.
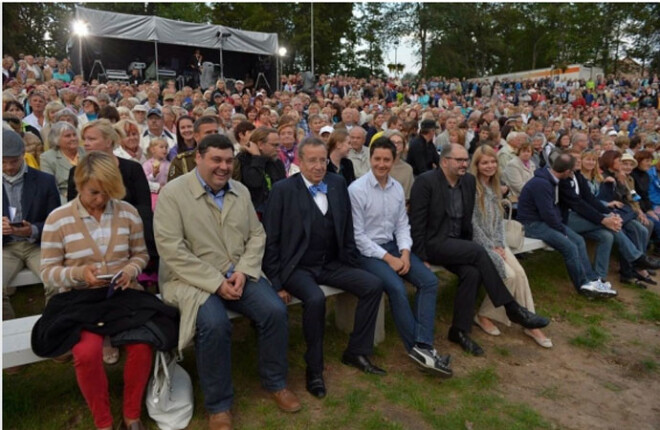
x=605, y=283
x=597, y=289
x=429, y=359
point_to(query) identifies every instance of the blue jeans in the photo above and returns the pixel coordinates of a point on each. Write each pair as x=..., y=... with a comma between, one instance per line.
x=638, y=233
x=262, y=305
x=413, y=327
x=604, y=239
x=570, y=245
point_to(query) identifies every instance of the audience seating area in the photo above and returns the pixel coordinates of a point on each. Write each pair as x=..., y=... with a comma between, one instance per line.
x=16, y=349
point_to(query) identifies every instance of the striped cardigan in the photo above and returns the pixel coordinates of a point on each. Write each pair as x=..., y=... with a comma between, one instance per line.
x=67, y=247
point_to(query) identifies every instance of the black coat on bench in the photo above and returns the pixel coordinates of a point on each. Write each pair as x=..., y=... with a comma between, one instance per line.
x=135, y=316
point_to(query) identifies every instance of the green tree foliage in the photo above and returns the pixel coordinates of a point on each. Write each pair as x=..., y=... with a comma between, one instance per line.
x=35, y=28
x=450, y=39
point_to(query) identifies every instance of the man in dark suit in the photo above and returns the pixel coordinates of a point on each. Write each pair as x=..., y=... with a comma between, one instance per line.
x=28, y=197
x=310, y=241
x=441, y=206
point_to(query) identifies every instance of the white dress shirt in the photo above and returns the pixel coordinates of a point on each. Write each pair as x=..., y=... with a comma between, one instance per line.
x=320, y=199
x=379, y=215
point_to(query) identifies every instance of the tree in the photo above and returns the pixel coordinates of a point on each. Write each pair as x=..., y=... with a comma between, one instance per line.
x=25, y=27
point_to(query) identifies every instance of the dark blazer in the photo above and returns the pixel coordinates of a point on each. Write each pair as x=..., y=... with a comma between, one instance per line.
x=137, y=194
x=585, y=204
x=253, y=171
x=347, y=170
x=40, y=198
x=288, y=223
x=429, y=210
x=422, y=155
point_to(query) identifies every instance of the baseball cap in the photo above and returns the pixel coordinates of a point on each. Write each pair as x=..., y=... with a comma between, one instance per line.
x=155, y=111
x=326, y=129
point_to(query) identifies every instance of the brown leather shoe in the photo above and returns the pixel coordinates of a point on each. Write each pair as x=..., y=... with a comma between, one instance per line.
x=220, y=421
x=286, y=400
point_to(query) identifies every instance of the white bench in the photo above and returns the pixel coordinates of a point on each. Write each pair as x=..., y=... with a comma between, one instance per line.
x=16, y=348
x=16, y=333
x=23, y=278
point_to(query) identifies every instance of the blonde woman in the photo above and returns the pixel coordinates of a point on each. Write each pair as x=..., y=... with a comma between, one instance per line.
x=96, y=234
x=590, y=170
x=51, y=109
x=488, y=226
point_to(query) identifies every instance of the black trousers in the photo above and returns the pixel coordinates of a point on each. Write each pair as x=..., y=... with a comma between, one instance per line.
x=471, y=263
x=304, y=285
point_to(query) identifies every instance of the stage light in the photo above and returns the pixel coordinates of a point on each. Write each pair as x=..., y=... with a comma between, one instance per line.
x=80, y=28
x=282, y=51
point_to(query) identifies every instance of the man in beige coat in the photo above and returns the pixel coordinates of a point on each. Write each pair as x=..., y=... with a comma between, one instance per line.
x=211, y=245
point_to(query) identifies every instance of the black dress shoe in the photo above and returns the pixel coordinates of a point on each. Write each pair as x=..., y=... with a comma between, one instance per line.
x=362, y=362
x=645, y=262
x=315, y=384
x=464, y=341
x=525, y=318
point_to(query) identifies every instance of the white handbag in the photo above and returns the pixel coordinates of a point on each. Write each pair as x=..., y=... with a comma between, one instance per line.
x=514, y=232
x=169, y=394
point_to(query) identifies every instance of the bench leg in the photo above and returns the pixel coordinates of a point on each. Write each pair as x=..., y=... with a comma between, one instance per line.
x=345, y=305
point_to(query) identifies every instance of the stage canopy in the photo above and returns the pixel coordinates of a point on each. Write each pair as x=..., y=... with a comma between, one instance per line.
x=161, y=30
x=118, y=39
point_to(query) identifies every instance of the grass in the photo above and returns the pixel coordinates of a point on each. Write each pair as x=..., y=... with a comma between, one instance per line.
x=45, y=395
x=592, y=338
x=650, y=305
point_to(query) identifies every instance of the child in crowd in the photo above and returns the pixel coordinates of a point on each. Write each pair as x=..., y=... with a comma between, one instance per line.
x=33, y=149
x=156, y=167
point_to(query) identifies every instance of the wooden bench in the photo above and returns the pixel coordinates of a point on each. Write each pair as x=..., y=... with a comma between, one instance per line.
x=17, y=350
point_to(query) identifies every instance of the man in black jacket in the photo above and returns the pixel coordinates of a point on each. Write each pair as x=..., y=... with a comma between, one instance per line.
x=422, y=154
x=441, y=206
x=258, y=166
x=310, y=241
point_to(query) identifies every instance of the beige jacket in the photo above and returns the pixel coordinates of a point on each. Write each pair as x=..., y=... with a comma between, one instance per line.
x=516, y=174
x=198, y=243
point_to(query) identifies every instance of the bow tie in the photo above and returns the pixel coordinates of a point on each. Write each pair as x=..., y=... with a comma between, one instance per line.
x=322, y=187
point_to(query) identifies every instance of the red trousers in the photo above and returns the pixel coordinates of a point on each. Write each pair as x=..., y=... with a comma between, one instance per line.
x=93, y=382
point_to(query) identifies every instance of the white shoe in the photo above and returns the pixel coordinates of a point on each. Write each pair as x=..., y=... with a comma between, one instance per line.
x=597, y=289
x=605, y=283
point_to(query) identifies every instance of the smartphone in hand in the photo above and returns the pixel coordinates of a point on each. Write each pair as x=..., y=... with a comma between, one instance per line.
x=113, y=284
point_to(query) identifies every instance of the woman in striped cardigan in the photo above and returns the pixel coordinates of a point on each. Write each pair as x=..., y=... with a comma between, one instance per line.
x=98, y=234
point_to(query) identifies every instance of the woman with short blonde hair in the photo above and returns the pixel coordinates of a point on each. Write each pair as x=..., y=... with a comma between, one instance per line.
x=93, y=235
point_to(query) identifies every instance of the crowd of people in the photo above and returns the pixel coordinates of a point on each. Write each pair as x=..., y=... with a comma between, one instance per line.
x=230, y=198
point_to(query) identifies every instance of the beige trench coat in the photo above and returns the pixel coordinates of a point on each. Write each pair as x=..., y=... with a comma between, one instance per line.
x=198, y=243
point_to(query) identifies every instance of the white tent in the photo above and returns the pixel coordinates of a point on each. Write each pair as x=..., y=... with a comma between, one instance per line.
x=161, y=30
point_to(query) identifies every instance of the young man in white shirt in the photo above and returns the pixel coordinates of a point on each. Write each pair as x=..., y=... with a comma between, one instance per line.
x=382, y=235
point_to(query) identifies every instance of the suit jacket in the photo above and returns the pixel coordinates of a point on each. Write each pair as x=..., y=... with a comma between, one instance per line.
x=429, y=211
x=57, y=164
x=198, y=243
x=288, y=223
x=137, y=194
x=40, y=197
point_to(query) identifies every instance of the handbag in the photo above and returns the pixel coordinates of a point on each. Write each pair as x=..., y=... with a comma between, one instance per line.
x=169, y=393
x=514, y=232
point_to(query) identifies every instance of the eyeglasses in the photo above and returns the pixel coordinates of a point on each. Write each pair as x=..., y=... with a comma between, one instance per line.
x=459, y=160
